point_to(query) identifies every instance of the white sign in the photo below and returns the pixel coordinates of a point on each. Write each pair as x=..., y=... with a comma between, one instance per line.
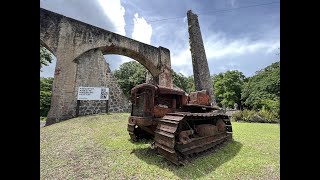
x=93, y=93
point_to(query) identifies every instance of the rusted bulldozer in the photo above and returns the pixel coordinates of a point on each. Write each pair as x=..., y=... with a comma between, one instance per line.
x=181, y=125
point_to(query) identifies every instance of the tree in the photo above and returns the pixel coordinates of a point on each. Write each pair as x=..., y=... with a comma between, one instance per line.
x=129, y=75
x=179, y=80
x=45, y=57
x=133, y=73
x=191, y=86
x=45, y=95
x=46, y=83
x=227, y=87
x=263, y=89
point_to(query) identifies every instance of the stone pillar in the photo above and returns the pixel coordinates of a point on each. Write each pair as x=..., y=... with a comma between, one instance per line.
x=165, y=77
x=201, y=70
x=62, y=92
x=149, y=78
x=64, y=79
x=91, y=72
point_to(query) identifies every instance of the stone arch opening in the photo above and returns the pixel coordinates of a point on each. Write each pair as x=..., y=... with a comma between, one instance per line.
x=130, y=53
x=53, y=62
x=46, y=80
x=93, y=70
x=47, y=47
x=116, y=62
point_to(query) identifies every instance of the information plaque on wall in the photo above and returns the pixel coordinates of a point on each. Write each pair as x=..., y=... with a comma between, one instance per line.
x=93, y=93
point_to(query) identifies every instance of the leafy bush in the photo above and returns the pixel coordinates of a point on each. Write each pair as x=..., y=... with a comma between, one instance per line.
x=45, y=101
x=45, y=95
x=268, y=115
x=273, y=106
x=262, y=89
x=247, y=115
x=262, y=116
x=237, y=116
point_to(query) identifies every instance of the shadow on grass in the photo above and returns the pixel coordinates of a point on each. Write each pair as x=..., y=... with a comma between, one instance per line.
x=198, y=167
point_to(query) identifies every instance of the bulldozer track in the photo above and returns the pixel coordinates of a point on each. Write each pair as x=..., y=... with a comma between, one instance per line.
x=166, y=137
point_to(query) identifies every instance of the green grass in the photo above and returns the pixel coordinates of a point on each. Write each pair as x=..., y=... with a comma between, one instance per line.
x=98, y=147
x=43, y=118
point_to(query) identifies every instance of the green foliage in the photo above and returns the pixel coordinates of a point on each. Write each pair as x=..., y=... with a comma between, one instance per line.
x=129, y=75
x=262, y=115
x=43, y=118
x=133, y=73
x=45, y=57
x=45, y=100
x=238, y=116
x=191, y=85
x=179, y=80
x=46, y=84
x=247, y=115
x=262, y=88
x=227, y=88
x=45, y=95
x=272, y=105
x=267, y=115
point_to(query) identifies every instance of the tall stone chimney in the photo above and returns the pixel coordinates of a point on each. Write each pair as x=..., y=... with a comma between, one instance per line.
x=201, y=70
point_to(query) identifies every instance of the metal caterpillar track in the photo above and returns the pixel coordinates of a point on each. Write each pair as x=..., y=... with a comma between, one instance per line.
x=169, y=127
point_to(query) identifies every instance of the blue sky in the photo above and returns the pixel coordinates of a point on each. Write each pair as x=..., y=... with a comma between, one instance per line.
x=244, y=39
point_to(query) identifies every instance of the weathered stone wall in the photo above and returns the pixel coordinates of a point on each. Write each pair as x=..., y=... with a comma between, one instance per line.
x=118, y=102
x=93, y=71
x=201, y=70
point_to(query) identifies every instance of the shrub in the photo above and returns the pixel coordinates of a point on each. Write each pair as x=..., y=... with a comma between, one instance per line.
x=262, y=116
x=45, y=100
x=237, y=116
x=273, y=106
x=269, y=116
x=247, y=115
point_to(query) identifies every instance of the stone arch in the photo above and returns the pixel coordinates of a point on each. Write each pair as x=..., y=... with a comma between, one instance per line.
x=69, y=39
x=92, y=70
x=47, y=47
x=124, y=51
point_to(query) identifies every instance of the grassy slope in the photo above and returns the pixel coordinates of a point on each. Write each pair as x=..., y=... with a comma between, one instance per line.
x=98, y=147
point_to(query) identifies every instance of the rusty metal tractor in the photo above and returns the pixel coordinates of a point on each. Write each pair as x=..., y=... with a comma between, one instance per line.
x=181, y=125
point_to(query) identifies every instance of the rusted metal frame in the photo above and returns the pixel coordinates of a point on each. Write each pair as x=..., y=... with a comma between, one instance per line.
x=168, y=127
x=204, y=147
x=199, y=143
x=147, y=130
x=172, y=157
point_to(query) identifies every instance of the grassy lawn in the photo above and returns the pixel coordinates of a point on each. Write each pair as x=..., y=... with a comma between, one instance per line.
x=98, y=147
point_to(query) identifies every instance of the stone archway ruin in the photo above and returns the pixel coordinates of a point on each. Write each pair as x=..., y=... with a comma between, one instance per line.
x=70, y=40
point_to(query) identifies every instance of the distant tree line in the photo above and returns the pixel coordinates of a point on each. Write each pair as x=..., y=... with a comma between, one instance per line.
x=257, y=94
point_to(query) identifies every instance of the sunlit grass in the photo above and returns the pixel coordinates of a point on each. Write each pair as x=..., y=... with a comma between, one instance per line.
x=98, y=147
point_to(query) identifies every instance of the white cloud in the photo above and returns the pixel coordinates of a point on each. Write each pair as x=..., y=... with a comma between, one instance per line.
x=183, y=57
x=219, y=47
x=142, y=31
x=185, y=20
x=115, y=11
